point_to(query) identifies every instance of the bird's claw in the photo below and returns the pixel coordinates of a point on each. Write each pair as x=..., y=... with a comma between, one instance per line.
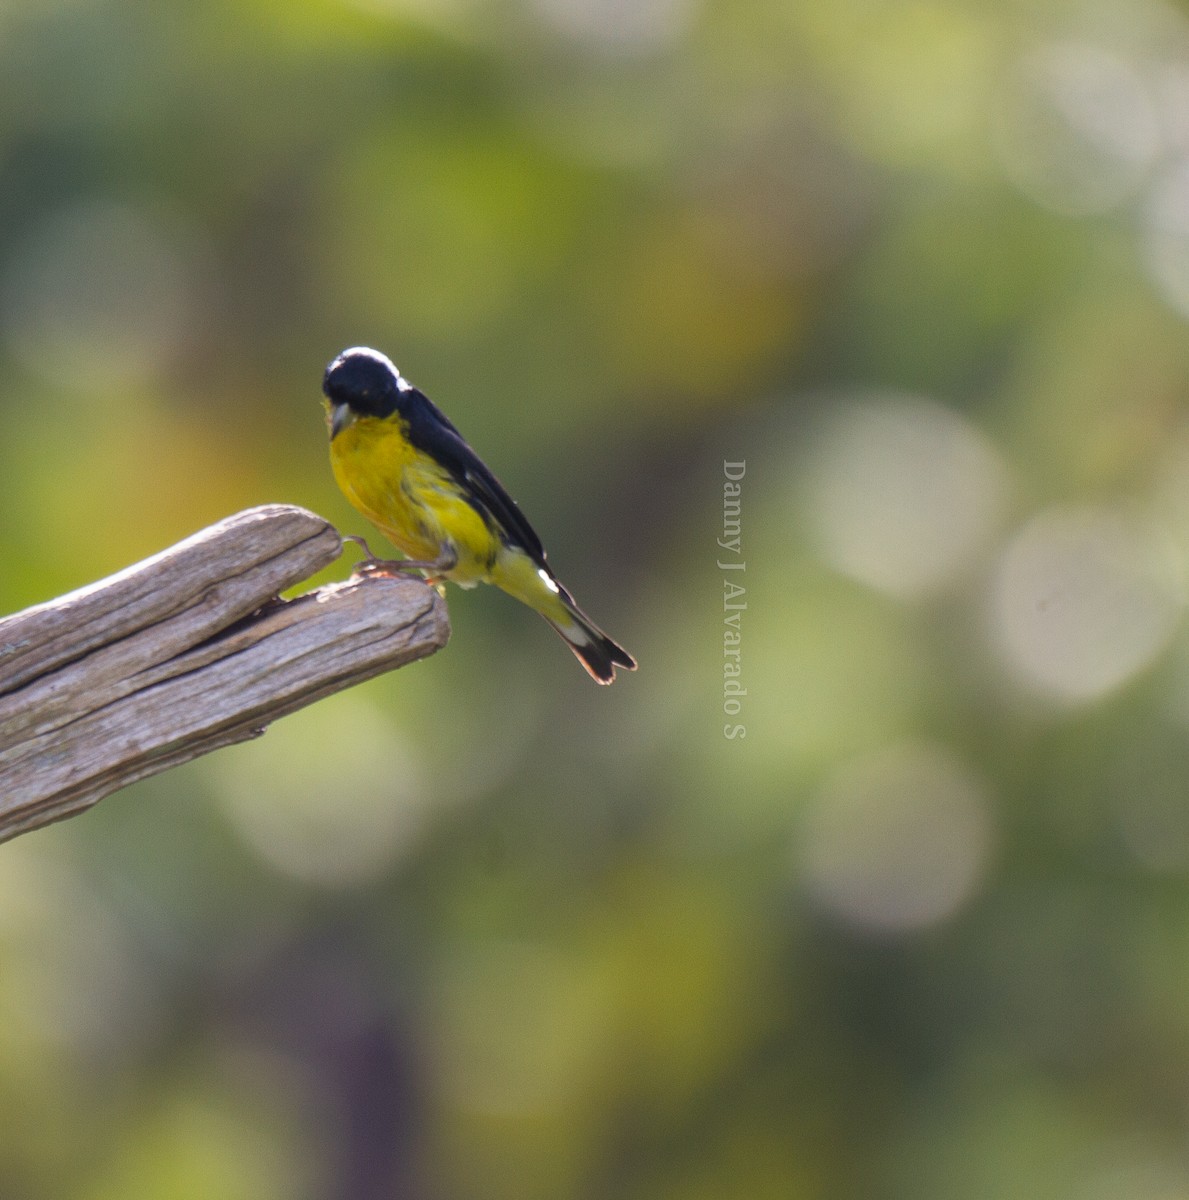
x=372, y=563
x=391, y=567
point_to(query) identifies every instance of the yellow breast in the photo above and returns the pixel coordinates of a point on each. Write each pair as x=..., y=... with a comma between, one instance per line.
x=414, y=502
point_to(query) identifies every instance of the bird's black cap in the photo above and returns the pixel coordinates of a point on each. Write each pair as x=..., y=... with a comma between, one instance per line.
x=365, y=380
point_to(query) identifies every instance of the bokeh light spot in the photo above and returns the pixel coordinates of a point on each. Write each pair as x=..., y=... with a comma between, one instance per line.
x=618, y=26
x=1083, y=600
x=903, y=494
x=899, y=840
x=1166, y=236
x=330, y=796
x=1077, y=130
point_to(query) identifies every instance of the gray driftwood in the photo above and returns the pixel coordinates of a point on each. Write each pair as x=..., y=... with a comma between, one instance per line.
x=186, y=652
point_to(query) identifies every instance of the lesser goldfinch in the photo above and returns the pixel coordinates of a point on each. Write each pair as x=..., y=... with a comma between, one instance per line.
x=405, y=467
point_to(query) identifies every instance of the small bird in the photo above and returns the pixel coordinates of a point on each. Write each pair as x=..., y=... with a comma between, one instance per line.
x=405, y=467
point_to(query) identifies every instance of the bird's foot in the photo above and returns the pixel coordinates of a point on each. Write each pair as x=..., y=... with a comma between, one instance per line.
x=374, y=565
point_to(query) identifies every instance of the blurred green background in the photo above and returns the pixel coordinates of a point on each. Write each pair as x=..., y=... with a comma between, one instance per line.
x=480, y=930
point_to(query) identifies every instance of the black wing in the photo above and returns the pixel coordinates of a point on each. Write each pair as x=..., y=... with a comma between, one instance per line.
x=431, y=432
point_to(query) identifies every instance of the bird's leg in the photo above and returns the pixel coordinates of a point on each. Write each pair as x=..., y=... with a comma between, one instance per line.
x=436, y=571
x=374, y=565
x=434, y=568
x=354, y=537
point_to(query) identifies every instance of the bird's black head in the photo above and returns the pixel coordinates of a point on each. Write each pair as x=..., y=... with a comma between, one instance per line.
x=364, y=383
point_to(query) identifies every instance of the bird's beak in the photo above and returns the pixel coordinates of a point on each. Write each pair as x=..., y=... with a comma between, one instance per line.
x=340, y=417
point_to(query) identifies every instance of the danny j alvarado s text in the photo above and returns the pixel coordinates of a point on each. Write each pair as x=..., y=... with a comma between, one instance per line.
x=734, y=602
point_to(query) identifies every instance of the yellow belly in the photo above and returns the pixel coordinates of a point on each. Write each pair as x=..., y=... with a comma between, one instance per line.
x=421, y=510
x=414, y=502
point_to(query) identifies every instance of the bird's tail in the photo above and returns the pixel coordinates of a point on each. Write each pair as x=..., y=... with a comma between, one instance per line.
x=598, y=653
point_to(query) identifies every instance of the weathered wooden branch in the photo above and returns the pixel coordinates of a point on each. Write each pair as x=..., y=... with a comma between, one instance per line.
x=186, y=652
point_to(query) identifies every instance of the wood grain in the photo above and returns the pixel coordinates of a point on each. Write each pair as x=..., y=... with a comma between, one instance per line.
x=186, y=652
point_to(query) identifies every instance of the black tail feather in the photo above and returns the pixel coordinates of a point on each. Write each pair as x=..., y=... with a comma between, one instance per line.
x=597, y=652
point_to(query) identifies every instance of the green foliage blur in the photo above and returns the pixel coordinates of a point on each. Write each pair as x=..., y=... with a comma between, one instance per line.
x=865, y=317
